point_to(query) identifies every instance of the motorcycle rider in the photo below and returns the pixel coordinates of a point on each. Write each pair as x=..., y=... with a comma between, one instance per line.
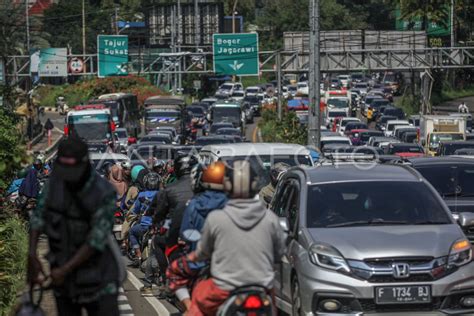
x=76, y=211
x=463, y=108
x=172, y=203
x=143, y=207
x=207, y=183
x=267, y=192
x=229, y=241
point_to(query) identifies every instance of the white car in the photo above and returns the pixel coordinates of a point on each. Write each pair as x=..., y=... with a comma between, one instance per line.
x=392, y=124
x=345, y=80
x=238, y=95
x=330, y=140
x=253, y=91
x=302, y=88
x=332, y=114
x=362, y=87
x=227, y=89
x=343, y=123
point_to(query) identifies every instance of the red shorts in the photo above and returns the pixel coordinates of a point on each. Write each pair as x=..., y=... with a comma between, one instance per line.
x=207, y=298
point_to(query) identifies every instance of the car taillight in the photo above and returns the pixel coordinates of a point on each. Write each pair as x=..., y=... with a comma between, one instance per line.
x=253, y=302
x=66, y=130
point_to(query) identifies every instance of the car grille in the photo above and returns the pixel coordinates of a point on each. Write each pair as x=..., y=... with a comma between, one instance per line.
x=391, y=279
x=368, y=305
x=387, y=262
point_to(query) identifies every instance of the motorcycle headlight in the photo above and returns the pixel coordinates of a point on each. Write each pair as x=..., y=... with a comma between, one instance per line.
x=460, y=253
x=328, y=257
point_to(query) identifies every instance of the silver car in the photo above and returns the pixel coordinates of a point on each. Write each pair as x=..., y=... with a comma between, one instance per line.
x=370, y=239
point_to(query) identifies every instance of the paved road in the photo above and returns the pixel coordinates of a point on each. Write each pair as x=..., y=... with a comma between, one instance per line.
x=452, y=106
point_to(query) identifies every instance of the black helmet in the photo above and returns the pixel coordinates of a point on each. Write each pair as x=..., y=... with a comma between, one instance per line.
x=151, y=181
x=183, y=163
x=277, y=171
x=38, y=164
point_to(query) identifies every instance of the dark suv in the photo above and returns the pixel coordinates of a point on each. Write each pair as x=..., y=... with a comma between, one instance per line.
x=370, y=242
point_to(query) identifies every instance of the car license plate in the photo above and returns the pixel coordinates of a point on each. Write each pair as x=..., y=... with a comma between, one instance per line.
x=403, y=294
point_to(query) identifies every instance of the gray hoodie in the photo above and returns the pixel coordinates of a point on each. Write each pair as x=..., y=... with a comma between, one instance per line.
x=243, y=241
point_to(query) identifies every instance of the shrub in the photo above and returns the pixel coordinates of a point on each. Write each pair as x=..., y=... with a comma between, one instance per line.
x=13, y=253
x=288, y=130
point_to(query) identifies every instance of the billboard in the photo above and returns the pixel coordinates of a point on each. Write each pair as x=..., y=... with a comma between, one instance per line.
x=49, y=62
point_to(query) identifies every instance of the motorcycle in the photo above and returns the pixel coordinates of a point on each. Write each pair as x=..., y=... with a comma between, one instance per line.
x=251, y=300
x=119, y=218
x=61, y=106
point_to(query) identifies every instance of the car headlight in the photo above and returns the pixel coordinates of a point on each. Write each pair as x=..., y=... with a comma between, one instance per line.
x=460, y=254
x=328, y=257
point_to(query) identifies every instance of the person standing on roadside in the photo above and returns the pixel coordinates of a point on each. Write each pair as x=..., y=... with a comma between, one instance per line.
x=75, y=212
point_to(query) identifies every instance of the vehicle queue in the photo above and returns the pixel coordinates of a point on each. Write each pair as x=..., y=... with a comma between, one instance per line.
x=374, y=224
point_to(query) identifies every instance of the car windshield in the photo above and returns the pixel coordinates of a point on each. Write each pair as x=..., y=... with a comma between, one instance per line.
x=263, y=163
x=204, y=141
x=360, y=86
x=370, y=100
x=228, y=131
x=146, y=152
x=365, y=136
x=226, y=87
x=90, y=127
x=338, y=103
x=155, y=115
x=216, y=127
x=251, y=99
x=435, y=139
x=121, y=133
x=391, y=127
x=405, y=149
x=450, y=180
x=226, y=114
x=373, y=203
x=156, y=138
x=196, y=110
x=344, y=122
x=252, y=90
x=337, y=114
x=450, y=149
x=334, y=141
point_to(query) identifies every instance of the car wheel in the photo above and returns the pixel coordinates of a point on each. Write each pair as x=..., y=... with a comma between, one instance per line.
x=295, y=298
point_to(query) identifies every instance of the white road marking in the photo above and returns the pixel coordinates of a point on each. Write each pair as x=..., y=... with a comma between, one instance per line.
x=153, y=301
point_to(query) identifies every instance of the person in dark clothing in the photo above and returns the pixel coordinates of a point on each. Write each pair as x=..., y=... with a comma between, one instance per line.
x=30, y=186
x=76, y=211
x=172, y=203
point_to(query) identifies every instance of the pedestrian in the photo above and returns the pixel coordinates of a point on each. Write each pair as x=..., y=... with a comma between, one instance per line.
x=463, y=108
x=76, y=212
x=117, y=179
x=370, y=114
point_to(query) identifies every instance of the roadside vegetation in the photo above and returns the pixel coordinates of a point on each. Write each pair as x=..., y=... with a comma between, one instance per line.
x=288, y=130
x=84, y=90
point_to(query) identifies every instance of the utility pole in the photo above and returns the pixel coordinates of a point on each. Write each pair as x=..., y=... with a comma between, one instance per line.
x=173, y=47
x=116, y=19
x=27, y=26
x=84, y=34
x=234, y=7
x=179, y=46
x=197, y=31
x=314, y=119
x=452, y=24
x=279, y=94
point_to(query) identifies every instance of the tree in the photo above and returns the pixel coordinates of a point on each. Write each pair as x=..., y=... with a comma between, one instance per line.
x=276, y=18
x=64, y=20
x=427, y=10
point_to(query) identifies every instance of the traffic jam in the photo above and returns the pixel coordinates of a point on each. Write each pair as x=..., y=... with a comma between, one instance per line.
x=379, y=219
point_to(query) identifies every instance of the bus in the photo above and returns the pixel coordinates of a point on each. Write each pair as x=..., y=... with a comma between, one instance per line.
x=124, y=110
x=165, y=111
x=228, y=112
x=92, y=123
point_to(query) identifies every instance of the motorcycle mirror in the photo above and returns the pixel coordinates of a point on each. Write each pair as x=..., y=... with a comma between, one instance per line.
x=191, y=235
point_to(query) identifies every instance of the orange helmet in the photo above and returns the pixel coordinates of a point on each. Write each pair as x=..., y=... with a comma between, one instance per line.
x=209, y=177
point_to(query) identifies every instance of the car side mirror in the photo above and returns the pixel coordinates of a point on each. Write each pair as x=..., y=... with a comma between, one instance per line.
x=466, y=219
x=284, y=224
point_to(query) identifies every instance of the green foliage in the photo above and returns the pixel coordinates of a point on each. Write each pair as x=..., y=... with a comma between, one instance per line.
x=288, y=130
x=13, y=251
x=12, y=153
x=64, y=20
x=409, y=104
x=88, y=89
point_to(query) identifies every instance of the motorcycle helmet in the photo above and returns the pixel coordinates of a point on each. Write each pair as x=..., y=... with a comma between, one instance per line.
x=151, y=181
x=38, y=164
x=126, y=164
x=212, y=176
x=241, y=180
x=183, y=163
x=135, y=171
x=277, y=171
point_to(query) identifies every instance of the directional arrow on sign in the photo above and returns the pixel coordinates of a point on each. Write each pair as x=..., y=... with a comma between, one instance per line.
x=122, y=68
x=236, y=66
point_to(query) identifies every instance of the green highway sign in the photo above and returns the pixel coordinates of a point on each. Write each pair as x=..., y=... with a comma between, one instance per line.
x=112, y=55
x=236, y=54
